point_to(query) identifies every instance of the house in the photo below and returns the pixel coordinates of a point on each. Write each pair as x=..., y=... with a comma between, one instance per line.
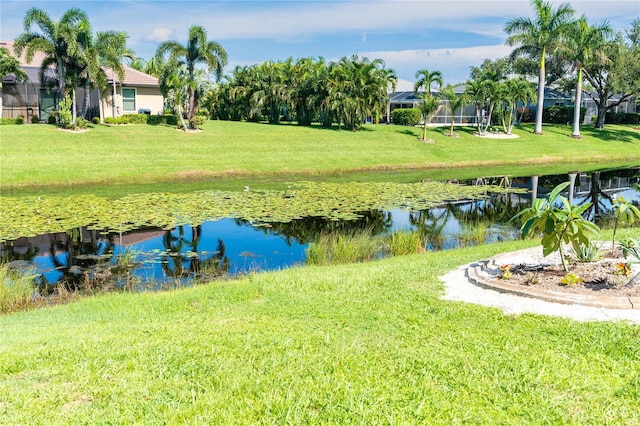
x=467, y=114
x=627, y=106
x=136, y=93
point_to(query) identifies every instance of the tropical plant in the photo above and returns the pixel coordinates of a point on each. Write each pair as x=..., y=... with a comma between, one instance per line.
x=428, y=107
x=584, y=44
x=484, y=95
x=197, y=50
x=9, y=65
x=57, y=40
x=455, y=102
x=538, y=38
x=513, y=92
x=624, y=211
x=558, y=225
x=571, y=279
x=428, y=103
x=111, y=50
x=617, y=80
x=64, y=112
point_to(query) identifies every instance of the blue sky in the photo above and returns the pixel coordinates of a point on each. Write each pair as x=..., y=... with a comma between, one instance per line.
x=450, y=36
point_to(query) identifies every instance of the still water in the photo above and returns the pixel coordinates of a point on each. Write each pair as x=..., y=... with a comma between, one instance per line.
x=155, y=258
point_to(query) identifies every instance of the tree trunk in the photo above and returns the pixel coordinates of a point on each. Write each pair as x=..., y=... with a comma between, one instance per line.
x=182, y=123
x=576, y=107
x=74, y=113
x=540, y=105
x=601, y=113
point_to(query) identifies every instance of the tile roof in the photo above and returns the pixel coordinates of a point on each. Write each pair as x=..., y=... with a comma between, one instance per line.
x=132, y=77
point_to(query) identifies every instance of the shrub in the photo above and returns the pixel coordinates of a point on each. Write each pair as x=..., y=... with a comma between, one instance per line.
x=52, y=119
x=81, y=123
x=64, y=112
x=7, y=121
x=95, y=120
x=622, y=118
x=527, y=115
x=198, y=121
x=558, y=225
x=20, y=120
x=561, y=115
x=406, y=116
x=134, y=118
x=168, y=119
x=35, y=119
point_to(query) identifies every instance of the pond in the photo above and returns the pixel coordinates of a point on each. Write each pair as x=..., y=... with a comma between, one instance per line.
x=148, y=257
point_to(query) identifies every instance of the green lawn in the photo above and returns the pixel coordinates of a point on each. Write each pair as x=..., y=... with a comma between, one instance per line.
x=365, y=343
x=34, y=157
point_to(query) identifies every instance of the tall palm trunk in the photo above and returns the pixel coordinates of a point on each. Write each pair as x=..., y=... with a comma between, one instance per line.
x=540, y=106
x=576, y=107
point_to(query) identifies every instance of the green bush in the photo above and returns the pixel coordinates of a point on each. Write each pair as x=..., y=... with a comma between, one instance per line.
x=35, y=119
x=7, y=121
x=128, y=119
x=64, y=112
x=20, y=120
x=168, y=119
x=406, y=116
x=622, y=118
x=198, y=121
x=561, y=115
x=52, y=119
x=95, y=120
x=81, y=123
x=135, y=118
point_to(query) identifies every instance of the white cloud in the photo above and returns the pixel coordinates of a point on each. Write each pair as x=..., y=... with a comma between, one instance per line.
x=454, y=63
x=158, y=35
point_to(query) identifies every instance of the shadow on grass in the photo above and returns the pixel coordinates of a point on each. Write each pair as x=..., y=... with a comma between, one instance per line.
x=609, y=134
x=316, y=126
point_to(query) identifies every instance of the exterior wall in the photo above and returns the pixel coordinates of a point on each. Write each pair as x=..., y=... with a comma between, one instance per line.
x=151, y=99
x=146, y=98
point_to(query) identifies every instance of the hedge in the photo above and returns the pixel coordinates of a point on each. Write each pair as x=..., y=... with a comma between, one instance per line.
x=406, y=116
x=622, y=118
x=561, y=115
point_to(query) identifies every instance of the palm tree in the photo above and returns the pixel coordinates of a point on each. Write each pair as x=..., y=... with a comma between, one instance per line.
x=57, y=40
x=455, y=102
x=111, y=50
x=425, y=78
x=429, y=104
x=585, y=44
x=538, y=38
x=198, y=50
x=9, y=65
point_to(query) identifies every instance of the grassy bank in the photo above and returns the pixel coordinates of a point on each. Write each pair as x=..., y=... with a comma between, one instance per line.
x=366, y=343
x=41, y=156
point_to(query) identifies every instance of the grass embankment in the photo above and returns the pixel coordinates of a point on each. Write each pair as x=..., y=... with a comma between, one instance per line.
x=40, y=156
x=368, y=343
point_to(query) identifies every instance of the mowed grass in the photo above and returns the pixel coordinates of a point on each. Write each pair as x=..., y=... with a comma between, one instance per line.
x=368, y=343
x=41, y=156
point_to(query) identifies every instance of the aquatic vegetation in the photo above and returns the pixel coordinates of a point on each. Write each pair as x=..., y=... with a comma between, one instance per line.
x=30, y=216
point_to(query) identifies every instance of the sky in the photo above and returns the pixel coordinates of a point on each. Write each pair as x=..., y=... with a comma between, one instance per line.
x=449, y=36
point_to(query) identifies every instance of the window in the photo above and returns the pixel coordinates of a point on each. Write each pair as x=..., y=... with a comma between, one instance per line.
x=128, y=99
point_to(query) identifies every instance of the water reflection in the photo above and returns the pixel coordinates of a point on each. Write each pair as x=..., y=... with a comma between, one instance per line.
x=153, y=258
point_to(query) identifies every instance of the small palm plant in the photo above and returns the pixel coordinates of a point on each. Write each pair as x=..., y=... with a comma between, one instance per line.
x=623, y=211
x=559, y=225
